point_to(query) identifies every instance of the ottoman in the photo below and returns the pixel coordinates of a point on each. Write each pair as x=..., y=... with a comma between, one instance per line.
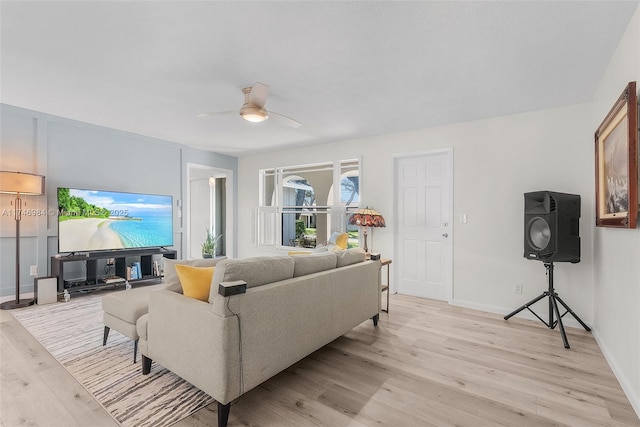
x=122, y=310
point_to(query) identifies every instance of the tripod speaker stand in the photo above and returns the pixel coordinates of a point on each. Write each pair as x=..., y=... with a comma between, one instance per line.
x=553, y=308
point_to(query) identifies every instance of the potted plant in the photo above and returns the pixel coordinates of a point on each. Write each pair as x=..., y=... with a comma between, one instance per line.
x=209, y=245
x=300, y=229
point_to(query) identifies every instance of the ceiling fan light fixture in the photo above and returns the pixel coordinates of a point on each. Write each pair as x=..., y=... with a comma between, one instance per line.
x=254, y=114
x=253, y=108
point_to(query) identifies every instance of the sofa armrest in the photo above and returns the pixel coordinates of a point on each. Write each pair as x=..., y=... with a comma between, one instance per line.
x=188, y=338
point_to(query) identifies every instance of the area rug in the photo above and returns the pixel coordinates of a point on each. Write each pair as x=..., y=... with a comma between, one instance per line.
x=72, y=333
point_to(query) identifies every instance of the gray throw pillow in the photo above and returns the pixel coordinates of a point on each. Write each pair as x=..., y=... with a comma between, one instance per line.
x=350, y=256
x=255, y=271
x=308, y=264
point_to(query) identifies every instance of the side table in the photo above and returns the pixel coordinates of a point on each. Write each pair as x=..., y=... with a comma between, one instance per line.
x=385, y=262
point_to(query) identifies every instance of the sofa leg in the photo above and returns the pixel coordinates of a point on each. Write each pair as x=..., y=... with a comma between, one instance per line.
x=105, y=335
x=135, y=351
x=146, y=365
x=223, y=414
x=375, y=319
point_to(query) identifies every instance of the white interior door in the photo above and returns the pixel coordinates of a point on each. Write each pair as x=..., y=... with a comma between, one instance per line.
x=424, y=238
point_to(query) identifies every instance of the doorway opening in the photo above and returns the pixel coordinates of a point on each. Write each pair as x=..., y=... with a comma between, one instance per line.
x=209, y=210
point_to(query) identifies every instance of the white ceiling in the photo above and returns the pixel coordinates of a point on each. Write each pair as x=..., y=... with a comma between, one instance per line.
x=344, y=69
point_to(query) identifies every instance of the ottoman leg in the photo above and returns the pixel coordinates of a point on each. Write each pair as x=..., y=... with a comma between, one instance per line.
x=135, y=350
x=105, y=335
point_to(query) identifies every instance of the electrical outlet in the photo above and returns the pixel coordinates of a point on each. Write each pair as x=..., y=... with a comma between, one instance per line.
x=33, y=272
x=517, y=288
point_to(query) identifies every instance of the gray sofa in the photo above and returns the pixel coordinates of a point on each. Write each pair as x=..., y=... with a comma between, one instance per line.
x=293, y=306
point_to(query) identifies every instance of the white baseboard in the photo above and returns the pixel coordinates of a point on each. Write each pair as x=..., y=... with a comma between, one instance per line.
x=624, y=383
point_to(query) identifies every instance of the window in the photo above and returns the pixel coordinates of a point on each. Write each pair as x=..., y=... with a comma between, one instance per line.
x=298, y=206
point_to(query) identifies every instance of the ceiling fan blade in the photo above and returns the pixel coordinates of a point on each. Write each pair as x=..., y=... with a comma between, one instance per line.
x=288, y=121
x=258, y=94
x=216, y=113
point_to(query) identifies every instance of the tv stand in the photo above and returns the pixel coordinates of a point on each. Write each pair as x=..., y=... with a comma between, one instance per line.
x=93, y=280
x=77, y=254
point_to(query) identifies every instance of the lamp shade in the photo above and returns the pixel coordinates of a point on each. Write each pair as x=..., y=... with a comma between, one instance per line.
x=367, y=218
x=21, y=183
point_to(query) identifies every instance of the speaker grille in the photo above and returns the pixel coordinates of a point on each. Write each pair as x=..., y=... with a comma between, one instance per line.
x=538, y=234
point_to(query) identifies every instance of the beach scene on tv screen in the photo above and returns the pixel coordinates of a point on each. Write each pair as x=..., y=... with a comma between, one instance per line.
x=103, y=220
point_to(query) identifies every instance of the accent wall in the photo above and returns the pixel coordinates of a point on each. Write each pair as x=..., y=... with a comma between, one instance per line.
x=81, y=155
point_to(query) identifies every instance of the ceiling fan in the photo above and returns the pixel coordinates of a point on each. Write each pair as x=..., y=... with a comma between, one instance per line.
x=253, y=108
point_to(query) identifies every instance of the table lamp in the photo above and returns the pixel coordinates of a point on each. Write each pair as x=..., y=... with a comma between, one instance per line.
x=366, y=218
x=25, y=184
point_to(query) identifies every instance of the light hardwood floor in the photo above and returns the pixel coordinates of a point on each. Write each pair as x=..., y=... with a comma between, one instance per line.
x=427, y=364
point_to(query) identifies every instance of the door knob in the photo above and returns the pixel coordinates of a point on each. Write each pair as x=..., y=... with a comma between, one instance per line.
x=445, y=235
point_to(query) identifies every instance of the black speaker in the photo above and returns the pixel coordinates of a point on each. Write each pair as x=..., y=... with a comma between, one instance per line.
x=552, y=226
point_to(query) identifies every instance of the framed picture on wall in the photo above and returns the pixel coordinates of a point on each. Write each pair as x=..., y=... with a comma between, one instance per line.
x=616, y=145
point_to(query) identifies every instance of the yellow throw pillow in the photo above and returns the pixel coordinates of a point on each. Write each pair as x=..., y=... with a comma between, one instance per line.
x=299, y=253
x=195, y=281
x=342, y=240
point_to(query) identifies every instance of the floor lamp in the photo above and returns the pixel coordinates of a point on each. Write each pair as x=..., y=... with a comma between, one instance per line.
x=367, y=218
x=19, y=183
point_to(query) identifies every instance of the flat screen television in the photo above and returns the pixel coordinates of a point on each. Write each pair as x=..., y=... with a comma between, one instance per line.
x=95, y=220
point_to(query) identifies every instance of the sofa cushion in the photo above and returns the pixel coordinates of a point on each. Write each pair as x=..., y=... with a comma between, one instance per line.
x=255, y=271
x=350, y=256
x=195, y=281
x=314, y=263
x=171, y=280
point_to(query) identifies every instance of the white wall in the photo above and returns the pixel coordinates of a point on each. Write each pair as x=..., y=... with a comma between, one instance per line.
x=495, y=162
x=616, y=251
